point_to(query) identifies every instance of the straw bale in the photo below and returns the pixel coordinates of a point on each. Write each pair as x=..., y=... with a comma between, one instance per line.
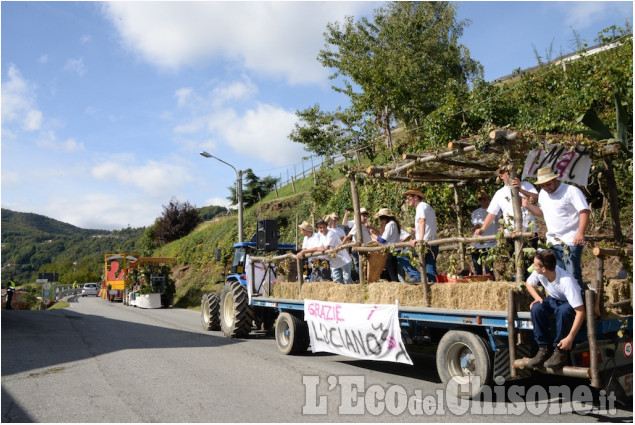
x=488, y=296
x=323, y=291
x=619, y=290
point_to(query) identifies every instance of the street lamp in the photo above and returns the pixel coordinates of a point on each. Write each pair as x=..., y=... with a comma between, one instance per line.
x=239, y=192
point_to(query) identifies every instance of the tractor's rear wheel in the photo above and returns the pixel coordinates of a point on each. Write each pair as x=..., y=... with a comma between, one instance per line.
x=236, y=315
x=210, y=311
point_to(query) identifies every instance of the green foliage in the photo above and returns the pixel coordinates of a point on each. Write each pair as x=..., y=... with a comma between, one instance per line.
x=398, y=64
x=254, y=190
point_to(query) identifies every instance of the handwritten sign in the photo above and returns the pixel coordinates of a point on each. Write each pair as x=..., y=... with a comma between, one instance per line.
x=573, y=166
x=363, y=331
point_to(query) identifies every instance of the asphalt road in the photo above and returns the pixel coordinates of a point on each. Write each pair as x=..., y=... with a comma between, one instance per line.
x=104, y=362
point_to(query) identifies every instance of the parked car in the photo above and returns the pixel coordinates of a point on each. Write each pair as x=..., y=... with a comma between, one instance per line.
x=90, y=289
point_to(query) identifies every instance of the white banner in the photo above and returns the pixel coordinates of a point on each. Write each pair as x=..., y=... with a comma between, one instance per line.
x=363, y=331
x=573, y=166
x=261, y=279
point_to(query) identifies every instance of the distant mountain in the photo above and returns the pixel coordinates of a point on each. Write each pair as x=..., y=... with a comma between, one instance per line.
x=29, y=224
x=30, y=241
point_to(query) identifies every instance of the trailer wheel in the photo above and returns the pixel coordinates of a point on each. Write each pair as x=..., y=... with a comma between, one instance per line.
x=236, y=316
x=292, y=334
x=210, y=311
x=464, y=363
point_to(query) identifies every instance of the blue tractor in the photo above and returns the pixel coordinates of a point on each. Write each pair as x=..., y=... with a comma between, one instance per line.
x=230, y=311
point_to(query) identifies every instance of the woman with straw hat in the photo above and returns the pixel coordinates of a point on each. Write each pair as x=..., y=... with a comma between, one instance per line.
x=390, y=230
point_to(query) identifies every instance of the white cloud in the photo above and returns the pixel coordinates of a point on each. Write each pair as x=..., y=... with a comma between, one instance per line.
x=76, y=65
x=582, y=14
x=43, y=58
x=91, y=211
x=48, y=140
x=18, y=102
x=221, y=202
x=86, y=38
x=182, y=96
x=158, y=179
x=259, y=133
x=237, y=90
x=274, y=38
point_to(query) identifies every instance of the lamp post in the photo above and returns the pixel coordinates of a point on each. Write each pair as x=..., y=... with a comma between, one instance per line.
x=239, y=192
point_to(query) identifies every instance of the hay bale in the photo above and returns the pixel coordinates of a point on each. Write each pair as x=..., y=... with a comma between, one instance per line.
x=617, y=290
x=323, y=291
x=488, y=296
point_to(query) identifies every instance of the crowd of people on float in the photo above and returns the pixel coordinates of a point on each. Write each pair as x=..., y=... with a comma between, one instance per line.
x=563, y=207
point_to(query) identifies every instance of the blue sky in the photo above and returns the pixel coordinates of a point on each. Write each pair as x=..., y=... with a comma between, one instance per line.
x=106, y=106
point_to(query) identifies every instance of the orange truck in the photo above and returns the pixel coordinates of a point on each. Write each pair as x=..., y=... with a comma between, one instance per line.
x=116, y=267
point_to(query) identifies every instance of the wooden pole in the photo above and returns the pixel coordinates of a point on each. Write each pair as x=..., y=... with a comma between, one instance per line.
x=593, y=351
x=511, y=330
x=293, y=183
x=599, y=285
x=358, y=223
x=300, y=276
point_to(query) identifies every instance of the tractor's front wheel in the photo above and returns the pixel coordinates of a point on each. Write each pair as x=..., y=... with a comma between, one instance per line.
x=236, y=315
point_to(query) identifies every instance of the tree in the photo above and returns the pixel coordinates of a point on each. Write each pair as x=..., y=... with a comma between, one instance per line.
x=255, y=188
x=178, y=219
x=329, y=133
x=398, y=65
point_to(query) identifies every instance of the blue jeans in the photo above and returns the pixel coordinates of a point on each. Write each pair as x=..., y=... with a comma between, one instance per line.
x=431, y=263
x=571, y=261
x=342, y=274
x=541, y=317
x=404, y=263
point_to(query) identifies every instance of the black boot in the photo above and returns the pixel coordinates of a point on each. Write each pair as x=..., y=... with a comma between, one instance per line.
x=544, y=351
x=558, y=359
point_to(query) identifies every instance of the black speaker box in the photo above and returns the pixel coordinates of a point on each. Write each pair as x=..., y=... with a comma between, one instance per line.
x=267, y=235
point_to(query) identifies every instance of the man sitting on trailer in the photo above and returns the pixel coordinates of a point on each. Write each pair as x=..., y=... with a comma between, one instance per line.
x=564, y=301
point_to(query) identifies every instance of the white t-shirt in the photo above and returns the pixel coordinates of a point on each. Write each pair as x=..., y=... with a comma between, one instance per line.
x=502, y=201
x=564, y=287
x=312, y=241
x=391, y=233
x=561, y=211
x=365, y=233
x=426, y=212
x=478, y=217
x=332, y=240
x=339, y=231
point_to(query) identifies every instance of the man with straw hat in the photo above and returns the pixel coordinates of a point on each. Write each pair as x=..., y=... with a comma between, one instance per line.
x=333, y=221
x=566, y=213
x=425, y=229
x=389, y=233
x=310, y=244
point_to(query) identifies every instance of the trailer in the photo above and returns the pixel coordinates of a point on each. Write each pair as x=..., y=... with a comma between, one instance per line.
x=473, y=348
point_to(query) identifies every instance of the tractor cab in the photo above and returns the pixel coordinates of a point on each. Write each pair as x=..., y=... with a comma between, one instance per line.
x=242, y=249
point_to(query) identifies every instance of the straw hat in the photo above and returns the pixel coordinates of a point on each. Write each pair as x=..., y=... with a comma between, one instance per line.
x=363, y=211
x=335, y=216
x=384, y=212
x=306, y=226
x=545, y=174
x=321, y=221
x=414, y=192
